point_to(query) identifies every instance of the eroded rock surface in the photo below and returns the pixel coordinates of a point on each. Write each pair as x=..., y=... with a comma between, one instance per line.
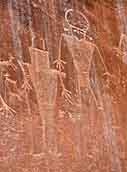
x=63, y=86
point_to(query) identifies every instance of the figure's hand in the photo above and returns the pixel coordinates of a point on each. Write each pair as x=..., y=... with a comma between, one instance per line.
x=59, y=64
x=26, y=86
x=7, y=109
x=67, y=95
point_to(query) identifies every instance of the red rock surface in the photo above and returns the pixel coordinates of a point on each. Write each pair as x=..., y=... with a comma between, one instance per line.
x=63, y=89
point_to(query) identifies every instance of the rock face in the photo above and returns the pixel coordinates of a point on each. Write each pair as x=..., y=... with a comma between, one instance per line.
x=63, y=86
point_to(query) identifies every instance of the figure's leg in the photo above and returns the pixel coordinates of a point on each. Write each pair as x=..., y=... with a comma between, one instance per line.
x=84, y=122
x=97, y=102
x=95, y=92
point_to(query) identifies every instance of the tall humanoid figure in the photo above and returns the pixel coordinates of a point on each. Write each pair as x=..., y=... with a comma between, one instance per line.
x=82, y=54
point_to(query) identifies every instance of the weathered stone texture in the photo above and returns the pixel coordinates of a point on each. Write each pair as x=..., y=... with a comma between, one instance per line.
x=63, y=86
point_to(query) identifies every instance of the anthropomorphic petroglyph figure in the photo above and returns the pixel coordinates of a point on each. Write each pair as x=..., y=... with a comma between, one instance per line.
x=45, y=83
x=4, y=66
x=82, y=51
x=8, y=113
x=76, y=58
x=121, y=50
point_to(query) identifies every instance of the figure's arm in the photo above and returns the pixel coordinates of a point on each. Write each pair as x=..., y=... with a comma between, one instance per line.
x=106, y=71
x=102, y=60
x=59, y=62
x=25, y=86
x=95, y=87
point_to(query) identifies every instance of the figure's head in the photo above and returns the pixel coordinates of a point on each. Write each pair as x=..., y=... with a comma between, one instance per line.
x=77, y=21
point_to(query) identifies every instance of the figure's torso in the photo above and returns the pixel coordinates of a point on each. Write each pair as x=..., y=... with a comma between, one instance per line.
x=82, y=53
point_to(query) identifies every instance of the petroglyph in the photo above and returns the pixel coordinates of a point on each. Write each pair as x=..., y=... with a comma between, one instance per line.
x=61, y=110
x=45, y=83
x=82, y=52
x=123, y=47
x=25, y=86
x=59, y=63
x=5, y=108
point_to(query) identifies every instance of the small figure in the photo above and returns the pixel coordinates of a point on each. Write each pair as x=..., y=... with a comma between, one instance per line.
x=123, y=47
